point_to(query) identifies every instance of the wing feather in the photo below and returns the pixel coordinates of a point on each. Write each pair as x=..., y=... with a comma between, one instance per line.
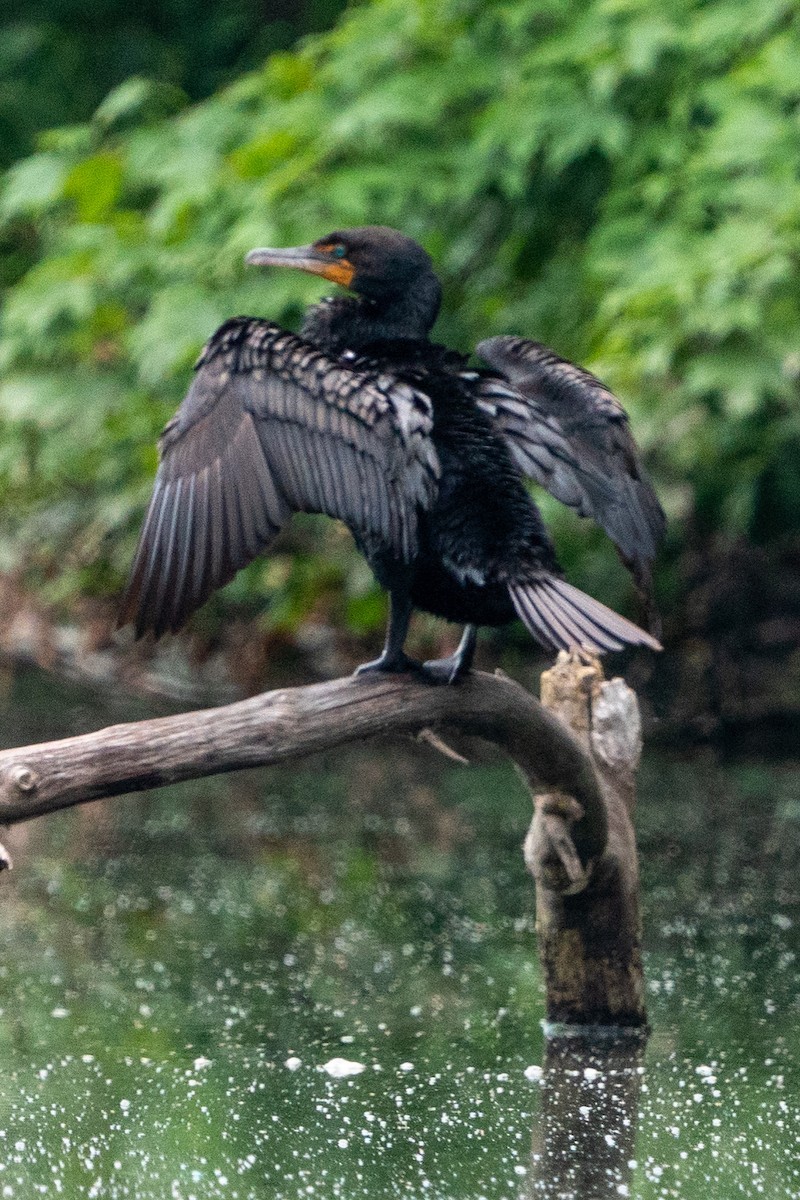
x=571, y=434
x=216, y=532
x=271, y=426
x=198, y=543
x=181, y=588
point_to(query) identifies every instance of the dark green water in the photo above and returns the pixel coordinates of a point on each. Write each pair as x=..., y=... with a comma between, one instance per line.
x=179, y=970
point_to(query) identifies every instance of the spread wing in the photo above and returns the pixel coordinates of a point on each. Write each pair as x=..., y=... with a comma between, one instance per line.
x=272, y=426
x=595, y=467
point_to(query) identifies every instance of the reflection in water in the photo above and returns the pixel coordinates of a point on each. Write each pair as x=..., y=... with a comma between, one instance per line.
x=179, y=971
x=584, y=1140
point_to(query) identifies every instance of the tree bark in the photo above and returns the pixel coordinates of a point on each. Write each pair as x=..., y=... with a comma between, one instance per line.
x=589, y=934
x=580, y=847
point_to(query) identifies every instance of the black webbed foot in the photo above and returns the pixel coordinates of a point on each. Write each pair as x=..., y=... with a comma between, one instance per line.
x=451, y=669
x=390, y=664
x=445, y=670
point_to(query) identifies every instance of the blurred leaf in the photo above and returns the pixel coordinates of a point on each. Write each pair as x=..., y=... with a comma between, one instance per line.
x=138, y=102
x=32, y=186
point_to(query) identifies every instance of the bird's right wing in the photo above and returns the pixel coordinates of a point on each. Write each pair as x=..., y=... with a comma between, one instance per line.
x=272, y=426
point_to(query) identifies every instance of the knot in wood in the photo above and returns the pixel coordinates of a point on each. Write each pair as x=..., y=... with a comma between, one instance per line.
x=560, y=805
x=24, y=778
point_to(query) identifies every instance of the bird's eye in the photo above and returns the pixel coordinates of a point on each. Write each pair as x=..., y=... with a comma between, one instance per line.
x=338, y=251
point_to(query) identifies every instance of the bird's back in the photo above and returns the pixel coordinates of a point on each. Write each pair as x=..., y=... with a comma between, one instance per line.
x=483, y=527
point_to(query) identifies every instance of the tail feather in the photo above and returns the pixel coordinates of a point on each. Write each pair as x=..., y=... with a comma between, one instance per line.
x=575, y=627
x=561, y=617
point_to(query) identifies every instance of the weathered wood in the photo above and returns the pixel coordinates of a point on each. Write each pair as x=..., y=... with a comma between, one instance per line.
x=588, y=927
x=580, y=847
x=282, y=725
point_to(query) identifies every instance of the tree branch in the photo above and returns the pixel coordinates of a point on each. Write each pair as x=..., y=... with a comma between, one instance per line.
x=288, y=724
x=578, y=750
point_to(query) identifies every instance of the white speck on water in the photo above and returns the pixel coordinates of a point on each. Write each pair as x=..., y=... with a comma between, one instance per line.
x=534, y=1073
x=782, y=921
x=704, y=1069
x=584, y=1110
x=60, y=1012
x=406, y=1066
x=87, y=1058
x=124, y=1105
x=341, y=1068
x=201, y=1063
x=342, y=1143
x=590, y=1074
x=293, y=1063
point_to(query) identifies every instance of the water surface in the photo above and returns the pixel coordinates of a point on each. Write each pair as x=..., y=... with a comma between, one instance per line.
x=180, y=973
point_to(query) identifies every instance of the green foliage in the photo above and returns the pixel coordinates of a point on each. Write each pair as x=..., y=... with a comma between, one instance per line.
x=618, y=180
x=59, y=58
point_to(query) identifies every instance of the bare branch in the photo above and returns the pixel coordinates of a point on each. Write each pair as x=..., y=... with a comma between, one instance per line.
x=580, y=848
x=282, y=725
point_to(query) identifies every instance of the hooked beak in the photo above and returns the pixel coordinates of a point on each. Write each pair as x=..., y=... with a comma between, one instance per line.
x=316, y=260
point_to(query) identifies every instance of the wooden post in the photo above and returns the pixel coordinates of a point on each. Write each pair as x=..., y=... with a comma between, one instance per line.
x=588, y=927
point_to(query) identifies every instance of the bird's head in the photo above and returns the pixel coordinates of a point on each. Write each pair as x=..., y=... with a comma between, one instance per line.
x=376, y=262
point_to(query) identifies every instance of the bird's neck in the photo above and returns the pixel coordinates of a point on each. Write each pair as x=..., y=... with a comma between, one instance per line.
x=354, y=322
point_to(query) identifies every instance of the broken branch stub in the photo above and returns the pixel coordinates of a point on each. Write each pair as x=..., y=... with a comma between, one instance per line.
x=588, y=923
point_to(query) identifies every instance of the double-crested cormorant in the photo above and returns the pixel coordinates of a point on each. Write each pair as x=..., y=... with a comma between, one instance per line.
x=364, y=418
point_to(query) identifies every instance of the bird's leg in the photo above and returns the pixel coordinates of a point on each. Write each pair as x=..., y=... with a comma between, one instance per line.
x=394, y=659
x=450, y=670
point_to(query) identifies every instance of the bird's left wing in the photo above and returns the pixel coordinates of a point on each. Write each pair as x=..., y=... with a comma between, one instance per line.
x=569, y=433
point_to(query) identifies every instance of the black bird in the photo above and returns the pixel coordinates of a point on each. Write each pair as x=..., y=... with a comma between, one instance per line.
x=364, y=418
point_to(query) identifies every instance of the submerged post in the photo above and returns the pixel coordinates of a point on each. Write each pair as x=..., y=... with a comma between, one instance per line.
x=588, y=921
